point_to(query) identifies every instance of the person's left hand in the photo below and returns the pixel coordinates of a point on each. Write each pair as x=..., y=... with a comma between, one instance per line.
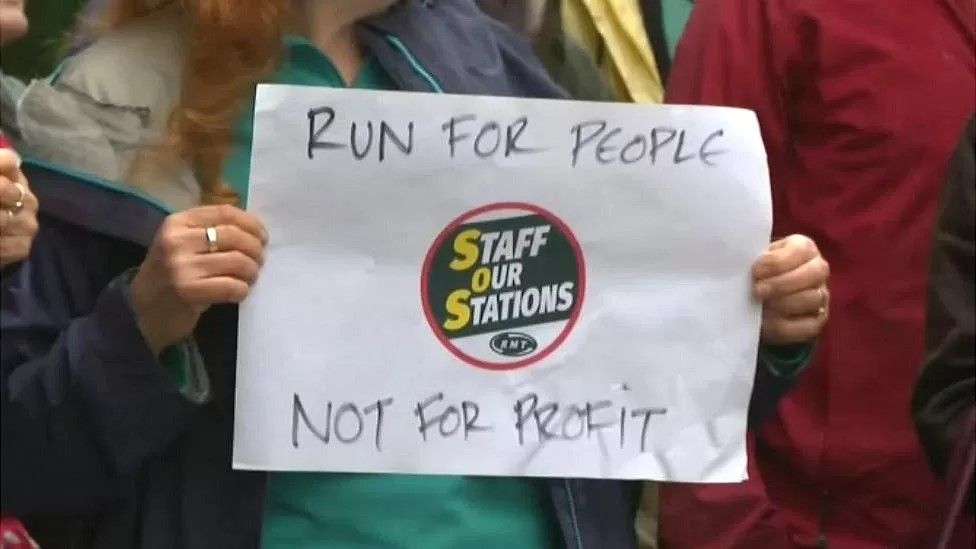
x=791, y=280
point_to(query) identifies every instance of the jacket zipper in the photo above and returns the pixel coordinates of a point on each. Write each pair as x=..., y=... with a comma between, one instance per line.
x=414, y=64
x=572, y=515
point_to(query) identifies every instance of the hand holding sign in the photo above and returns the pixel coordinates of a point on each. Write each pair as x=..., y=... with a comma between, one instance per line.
x=791, y=279
x=184, y=274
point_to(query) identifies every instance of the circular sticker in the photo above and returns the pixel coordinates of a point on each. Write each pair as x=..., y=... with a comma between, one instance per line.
x=503, y=285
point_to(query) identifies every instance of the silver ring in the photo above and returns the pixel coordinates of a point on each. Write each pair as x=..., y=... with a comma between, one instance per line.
x=211, y=234
x=19, y=203
x=823, y=302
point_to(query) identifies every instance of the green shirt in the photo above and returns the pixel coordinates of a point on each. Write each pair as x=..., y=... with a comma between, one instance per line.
x=675, y=14
x=340, y=511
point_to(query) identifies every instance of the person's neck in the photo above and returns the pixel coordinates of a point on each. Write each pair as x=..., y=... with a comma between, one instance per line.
x=331, y=25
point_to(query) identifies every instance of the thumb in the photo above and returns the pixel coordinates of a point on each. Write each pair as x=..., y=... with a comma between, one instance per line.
x=9, y=161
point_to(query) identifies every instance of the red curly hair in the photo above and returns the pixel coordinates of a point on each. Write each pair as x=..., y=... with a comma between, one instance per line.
x=231, y=46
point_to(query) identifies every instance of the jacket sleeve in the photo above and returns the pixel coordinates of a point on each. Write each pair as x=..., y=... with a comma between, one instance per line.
x=7, y=274
x=736, y=53
x=85, y=402
x=946, y=386
x=776, y=371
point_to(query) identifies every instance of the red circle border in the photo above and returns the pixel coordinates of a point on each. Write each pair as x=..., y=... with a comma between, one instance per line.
x=570, y=323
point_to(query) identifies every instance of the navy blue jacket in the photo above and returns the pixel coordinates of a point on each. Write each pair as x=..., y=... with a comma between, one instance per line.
x=95, y=430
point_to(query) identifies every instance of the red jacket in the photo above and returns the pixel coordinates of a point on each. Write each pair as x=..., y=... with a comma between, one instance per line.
x=860, y=102
x=14, y=536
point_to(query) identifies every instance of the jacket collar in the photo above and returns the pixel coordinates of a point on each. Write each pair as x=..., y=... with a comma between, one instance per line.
x=461, y=50
x=99, y=206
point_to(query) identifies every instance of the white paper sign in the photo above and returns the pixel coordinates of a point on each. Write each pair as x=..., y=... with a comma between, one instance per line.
x=493, y=286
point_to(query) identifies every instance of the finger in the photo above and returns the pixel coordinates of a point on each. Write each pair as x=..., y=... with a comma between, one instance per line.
x=210, y=216
x=9, y=162
x=12, y=192
x=784, y=255
x=22, y=224
x=31, y=203
x=9, y=192
x=782, y=330
x=812, y=274
x=14, y=249
x=806, y=302
x=229, y=238
x=224, y=264
x=777, y=244
x=210, y=291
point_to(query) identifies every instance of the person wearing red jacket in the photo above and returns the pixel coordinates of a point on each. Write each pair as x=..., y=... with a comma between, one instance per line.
x=860, y=104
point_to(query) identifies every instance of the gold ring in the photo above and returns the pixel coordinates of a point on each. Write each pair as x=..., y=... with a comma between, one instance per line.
x=211, y=234
x=19, y=203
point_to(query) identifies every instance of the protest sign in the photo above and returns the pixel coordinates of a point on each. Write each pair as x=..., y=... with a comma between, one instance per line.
x=495, y=286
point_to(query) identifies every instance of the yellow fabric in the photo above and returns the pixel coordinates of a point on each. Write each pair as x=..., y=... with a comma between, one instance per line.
x=613, y=33
x=647, y=517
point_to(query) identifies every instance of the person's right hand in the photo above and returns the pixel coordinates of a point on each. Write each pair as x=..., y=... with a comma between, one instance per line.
x=183, y=275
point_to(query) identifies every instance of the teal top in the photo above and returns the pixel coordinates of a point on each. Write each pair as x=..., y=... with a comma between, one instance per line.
x=675, y=14
x=365, y=511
